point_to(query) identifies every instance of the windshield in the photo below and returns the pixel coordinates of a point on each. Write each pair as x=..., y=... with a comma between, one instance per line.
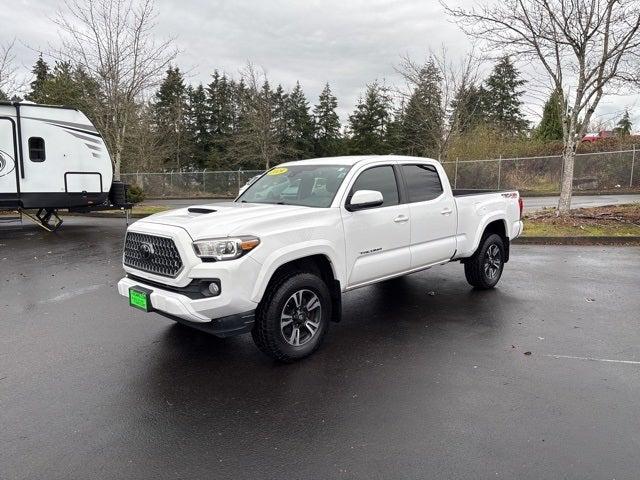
x=307, y=185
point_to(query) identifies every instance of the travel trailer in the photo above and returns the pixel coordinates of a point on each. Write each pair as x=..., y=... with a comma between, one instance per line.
x=53, y=158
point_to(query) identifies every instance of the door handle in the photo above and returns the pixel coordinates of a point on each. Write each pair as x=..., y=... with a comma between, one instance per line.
x=446, y=211
x=401, y=219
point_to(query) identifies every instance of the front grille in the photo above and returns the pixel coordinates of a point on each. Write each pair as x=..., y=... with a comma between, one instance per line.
x=157, y=255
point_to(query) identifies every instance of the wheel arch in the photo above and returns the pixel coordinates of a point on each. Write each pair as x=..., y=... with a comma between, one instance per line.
x=316, y=263
x=499, y=227
x=494, y=224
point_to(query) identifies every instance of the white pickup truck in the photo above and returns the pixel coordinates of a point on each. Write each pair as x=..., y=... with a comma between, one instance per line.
x=276, y=260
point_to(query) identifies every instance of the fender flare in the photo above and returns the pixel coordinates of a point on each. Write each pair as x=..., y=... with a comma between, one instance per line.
x=483, y=226
x=289, y=254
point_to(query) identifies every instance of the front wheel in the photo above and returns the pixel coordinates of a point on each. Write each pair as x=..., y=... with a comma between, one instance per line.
x=293, y=317
x=484, y=268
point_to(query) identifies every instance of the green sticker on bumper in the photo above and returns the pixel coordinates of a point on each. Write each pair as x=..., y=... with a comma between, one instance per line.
x=139, y=299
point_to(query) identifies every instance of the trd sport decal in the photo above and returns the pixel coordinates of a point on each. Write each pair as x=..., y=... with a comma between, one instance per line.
x=6, y=164
x=369, y=252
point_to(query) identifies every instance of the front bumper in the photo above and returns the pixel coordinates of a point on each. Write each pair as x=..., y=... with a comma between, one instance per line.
x=196, y=313
x=229, y=313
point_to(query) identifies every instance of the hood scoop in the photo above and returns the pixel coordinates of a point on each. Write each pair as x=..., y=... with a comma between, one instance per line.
x=201, y=210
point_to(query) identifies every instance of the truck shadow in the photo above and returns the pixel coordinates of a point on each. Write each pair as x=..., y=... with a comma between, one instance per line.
x=407, y=311
x=395, y=340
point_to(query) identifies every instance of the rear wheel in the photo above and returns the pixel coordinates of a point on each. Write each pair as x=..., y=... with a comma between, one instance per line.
x=293, y=317
x=484, y=268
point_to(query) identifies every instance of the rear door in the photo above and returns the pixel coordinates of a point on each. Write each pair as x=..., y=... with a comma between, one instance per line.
x=376, y=239
x=433, y=215
x=8, y=165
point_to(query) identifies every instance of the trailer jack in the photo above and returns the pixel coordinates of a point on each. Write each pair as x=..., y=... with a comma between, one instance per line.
x=47, y=218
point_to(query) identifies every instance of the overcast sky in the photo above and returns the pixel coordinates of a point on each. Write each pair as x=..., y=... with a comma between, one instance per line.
x=345, y=42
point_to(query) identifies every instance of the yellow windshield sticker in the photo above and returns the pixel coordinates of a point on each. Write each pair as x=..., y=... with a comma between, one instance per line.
x=278, y=171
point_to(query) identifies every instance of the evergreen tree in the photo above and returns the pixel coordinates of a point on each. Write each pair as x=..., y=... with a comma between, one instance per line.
x=240, y=103
x=469, y=108
x=423, y=119
x=255, y=142
x=326, y=124
x=222, y=112
x=503, y=98
x=281, y=122
x=369, y=122
x=394, y=134
x=624, y=125
x=550, y=127
x=198, y=126
x=170, y=110
x=299, y=124
x=63, y=87
x=42, y=74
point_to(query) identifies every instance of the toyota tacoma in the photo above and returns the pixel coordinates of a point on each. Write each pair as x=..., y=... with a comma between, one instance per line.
x=275, y=261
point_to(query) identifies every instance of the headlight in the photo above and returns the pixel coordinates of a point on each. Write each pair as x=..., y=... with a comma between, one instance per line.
x=225, y=248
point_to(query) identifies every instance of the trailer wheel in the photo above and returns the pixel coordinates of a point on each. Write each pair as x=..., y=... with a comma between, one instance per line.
x=293, y=317
x=484, y=268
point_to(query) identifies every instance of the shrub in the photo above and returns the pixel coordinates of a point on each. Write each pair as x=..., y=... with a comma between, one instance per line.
x=135, y=194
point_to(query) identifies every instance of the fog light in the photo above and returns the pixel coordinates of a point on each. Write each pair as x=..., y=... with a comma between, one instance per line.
x=214, y=288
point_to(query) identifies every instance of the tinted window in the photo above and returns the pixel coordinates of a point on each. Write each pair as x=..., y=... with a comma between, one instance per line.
x=36, y=149
x=381, y=179
x=423, y=182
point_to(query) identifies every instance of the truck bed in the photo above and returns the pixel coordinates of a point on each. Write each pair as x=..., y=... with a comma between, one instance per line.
x=460, y=192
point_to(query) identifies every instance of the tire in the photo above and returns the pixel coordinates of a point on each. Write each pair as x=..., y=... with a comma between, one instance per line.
x=484, y=268
x=289, y=304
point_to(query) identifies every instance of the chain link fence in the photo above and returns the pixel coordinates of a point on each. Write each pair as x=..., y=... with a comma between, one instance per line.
x=594, y=172
x=221, y=184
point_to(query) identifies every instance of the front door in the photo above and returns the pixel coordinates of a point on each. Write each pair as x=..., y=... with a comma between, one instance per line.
x=8, y=166
x=377, y=239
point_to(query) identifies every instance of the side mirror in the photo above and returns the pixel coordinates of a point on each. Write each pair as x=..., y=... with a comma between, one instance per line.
x=365, y=199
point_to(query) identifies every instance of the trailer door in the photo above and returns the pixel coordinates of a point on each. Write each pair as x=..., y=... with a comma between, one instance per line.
x=8, y=164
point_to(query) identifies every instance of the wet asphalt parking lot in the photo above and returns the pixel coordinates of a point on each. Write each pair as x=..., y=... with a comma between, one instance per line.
x=423, y=378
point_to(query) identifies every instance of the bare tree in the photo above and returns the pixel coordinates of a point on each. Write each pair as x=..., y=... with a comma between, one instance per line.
x=452, y=80
x=256, y=140
x=587, y=48
x=144, y=147
x=112, y=42
x=7, y=69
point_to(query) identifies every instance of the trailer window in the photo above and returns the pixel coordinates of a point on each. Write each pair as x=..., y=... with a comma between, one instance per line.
x=36, y=149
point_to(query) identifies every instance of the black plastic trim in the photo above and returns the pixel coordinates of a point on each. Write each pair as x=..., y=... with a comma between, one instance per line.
x=228, y=326
x=403, y=194
x=55, y=200
x=193, y=290
x=17, y=105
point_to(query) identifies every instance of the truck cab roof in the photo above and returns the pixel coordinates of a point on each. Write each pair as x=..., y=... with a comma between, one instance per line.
x=355, y=159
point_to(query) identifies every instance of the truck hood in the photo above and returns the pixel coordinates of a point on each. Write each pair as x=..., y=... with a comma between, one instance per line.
x=223, y=219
